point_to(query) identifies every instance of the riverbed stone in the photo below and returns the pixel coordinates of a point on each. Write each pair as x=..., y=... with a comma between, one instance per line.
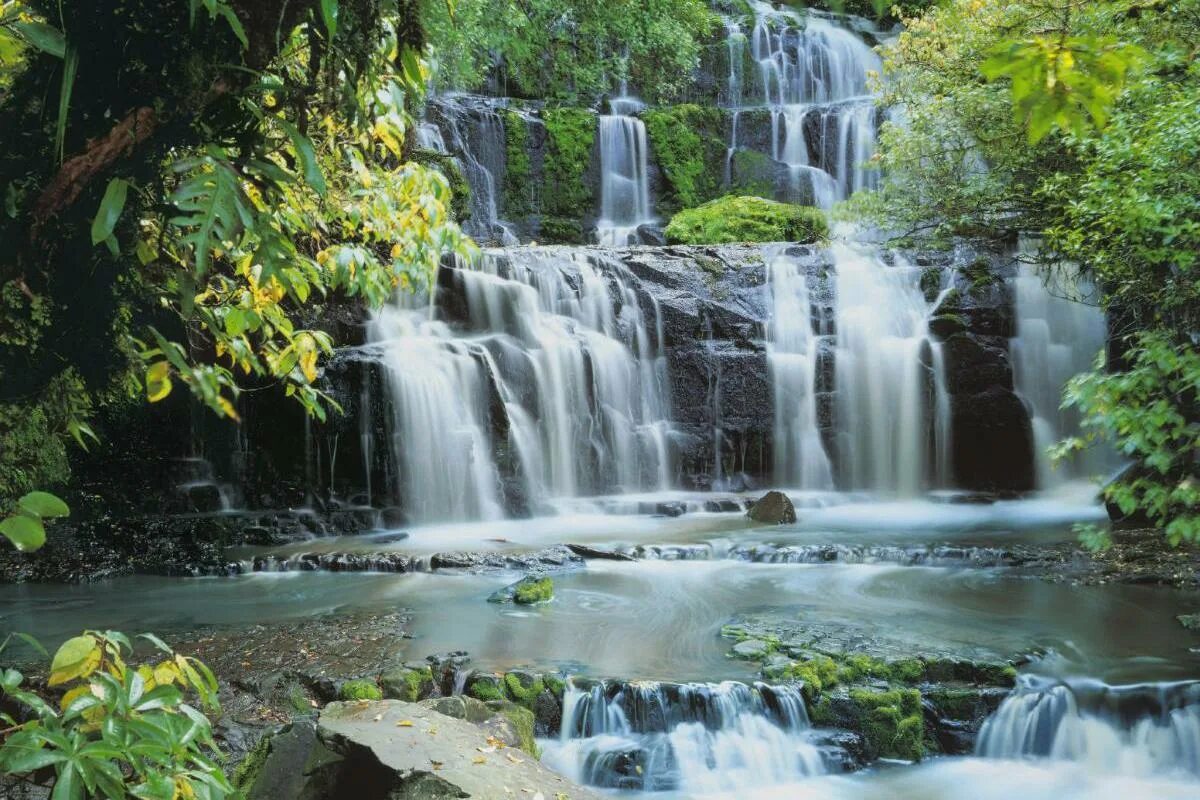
x=404, y=751
x=752, y=649
x=408, y=682
x=773, y=508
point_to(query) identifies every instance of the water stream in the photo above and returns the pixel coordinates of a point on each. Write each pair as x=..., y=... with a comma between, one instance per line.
x=624, y=174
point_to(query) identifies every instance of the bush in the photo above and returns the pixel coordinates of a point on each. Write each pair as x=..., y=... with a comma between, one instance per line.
x=117, y=730
x=727, y=220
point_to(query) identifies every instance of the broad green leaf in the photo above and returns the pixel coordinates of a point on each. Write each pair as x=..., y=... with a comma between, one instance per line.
x=307, y=156
x=110, y=210
x=329, y=14
x=26, y=533
x=70, y=66
x=46, y=38
x=44, y=504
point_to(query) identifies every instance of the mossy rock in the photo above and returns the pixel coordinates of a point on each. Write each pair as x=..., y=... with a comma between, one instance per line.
x=728, y=220
x=460, y=707
x=523, y=687
x=518, y=200
x=891, y=722
x=360, y=690
x=522, y=721
x=571, y=138
x=527, y=591
x=688, y=142
x=407, y=683
x=483, y=686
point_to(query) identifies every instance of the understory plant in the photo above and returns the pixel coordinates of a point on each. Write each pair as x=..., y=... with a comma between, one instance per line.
x=103, y=727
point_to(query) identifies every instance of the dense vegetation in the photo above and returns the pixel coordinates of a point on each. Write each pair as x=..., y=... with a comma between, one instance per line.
x=1077, y=121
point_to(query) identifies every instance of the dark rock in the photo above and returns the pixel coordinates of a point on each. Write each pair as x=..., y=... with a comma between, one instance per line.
x=992, y=441
x=773, y=508
x=587, y=551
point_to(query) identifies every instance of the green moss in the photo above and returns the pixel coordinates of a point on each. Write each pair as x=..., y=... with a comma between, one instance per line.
x=533, y=590
x=247, y=771
x=360, y=690
x=521, y=694
x=688, y=144
x=979, y=273
x=522, y=720
x=485, y=687
x=555, y=684
x=746, y=219
x=753, y=173
x=566, y=195
x=954, y=703
x=891, y=722
x=931, y=283
x=407, y=683
x=518, y=171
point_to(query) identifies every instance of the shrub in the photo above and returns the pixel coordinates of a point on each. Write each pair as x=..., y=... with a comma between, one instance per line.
x=118, y=730
x=732, y=219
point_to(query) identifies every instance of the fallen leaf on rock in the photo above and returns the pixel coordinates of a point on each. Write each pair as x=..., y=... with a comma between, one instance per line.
x=404, y=723
x=478, y=760
x=512, y=758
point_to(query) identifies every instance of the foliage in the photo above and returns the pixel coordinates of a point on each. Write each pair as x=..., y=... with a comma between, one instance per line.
x=688, y=143
x=118, y=730
x=26, y=527
x=569, y=50
x=746, y=219
x=1151, y=412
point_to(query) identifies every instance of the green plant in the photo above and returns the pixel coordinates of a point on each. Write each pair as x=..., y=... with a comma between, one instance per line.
x=26, y=528
x=118, y=730
x=746, y=219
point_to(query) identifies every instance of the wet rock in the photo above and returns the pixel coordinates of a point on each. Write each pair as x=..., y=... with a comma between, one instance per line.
x=1190, y=621
x=409, y=682
x=460, y=707
x=587, y=551
x=547, y=713
x=773, y=508
x=752, y=649
x=386, y=750
x=530, y=590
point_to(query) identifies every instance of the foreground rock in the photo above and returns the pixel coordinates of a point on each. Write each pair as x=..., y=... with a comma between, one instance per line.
x=400, y=751
x=773, y=508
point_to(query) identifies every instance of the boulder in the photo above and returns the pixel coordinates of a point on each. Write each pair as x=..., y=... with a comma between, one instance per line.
x=773, y=508
x=404, y=751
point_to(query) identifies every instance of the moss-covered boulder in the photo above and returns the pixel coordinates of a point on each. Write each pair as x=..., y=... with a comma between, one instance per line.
x=409, y=683
x=360, y=690
x=728, y=220
x=688, y=142
x=484, y=686
x=528, y=591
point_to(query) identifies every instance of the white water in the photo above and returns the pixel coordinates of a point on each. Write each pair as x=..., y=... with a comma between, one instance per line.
x=1060, y=330
x=694, y=738
x=624, y=174
x=892, y=407
x=556, y=384
x=813, y=75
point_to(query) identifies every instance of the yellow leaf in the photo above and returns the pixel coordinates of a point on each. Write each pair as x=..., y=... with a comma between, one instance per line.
x=166, y=673
x=158, y=381
x=478, y=760
x=404, y=723
x=77, y=658
x=147, y=676
x=227, y=408
x=73, y=694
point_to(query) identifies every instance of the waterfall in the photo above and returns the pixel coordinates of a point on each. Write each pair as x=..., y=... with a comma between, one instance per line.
x=692, y=738
x=1142, y=730
x=1060, y=329
x=812, y=75
x=792, y=353
x=552, y=383
x=624, y=174
x=892, y=405
x=476, y=133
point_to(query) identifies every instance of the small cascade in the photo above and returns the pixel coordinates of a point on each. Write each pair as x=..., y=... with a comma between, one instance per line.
x=892, y=401
x=891, y=405
x=792, y=352
x=476, y=132
x=1060, y=330
x=1141, y=730
x=551, y=384
x=624, y=174
x=692, y=738
x=813, y=76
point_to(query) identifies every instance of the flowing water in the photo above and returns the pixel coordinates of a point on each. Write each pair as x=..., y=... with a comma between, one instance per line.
x=624, y=174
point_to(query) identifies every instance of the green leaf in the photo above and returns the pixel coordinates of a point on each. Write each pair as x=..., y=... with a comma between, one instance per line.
x=26, y=533
x=70, y=66
x=74, y=651
x=110, y=210
x=307, y=156
x=68, y=786
x=235, y=25
x=329, y=14
x=46, y=38
x=44, y=504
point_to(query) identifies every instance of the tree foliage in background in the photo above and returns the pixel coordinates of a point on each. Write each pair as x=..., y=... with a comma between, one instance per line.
x=569, y=50
x=1078, y=121
x=180, y=182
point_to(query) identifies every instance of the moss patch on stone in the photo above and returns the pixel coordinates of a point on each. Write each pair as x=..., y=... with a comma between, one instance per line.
x=728, y=220
x=521, y=694
x=247, y=771
x=518, y=169
x=688, y=144
x=407, y=683
x=484, y=687
x=523, y=721
x=892, y=723
x=360, y=690
x=566, y=195
x=533, y=590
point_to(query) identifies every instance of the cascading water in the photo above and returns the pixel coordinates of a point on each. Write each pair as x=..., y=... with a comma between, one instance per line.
x=1060, y=330
x=792, y=352
x=693, y=738
x=624, y=174
x=554, y=384
x=1144, y=730
x=892, y=406
x=813, y=76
